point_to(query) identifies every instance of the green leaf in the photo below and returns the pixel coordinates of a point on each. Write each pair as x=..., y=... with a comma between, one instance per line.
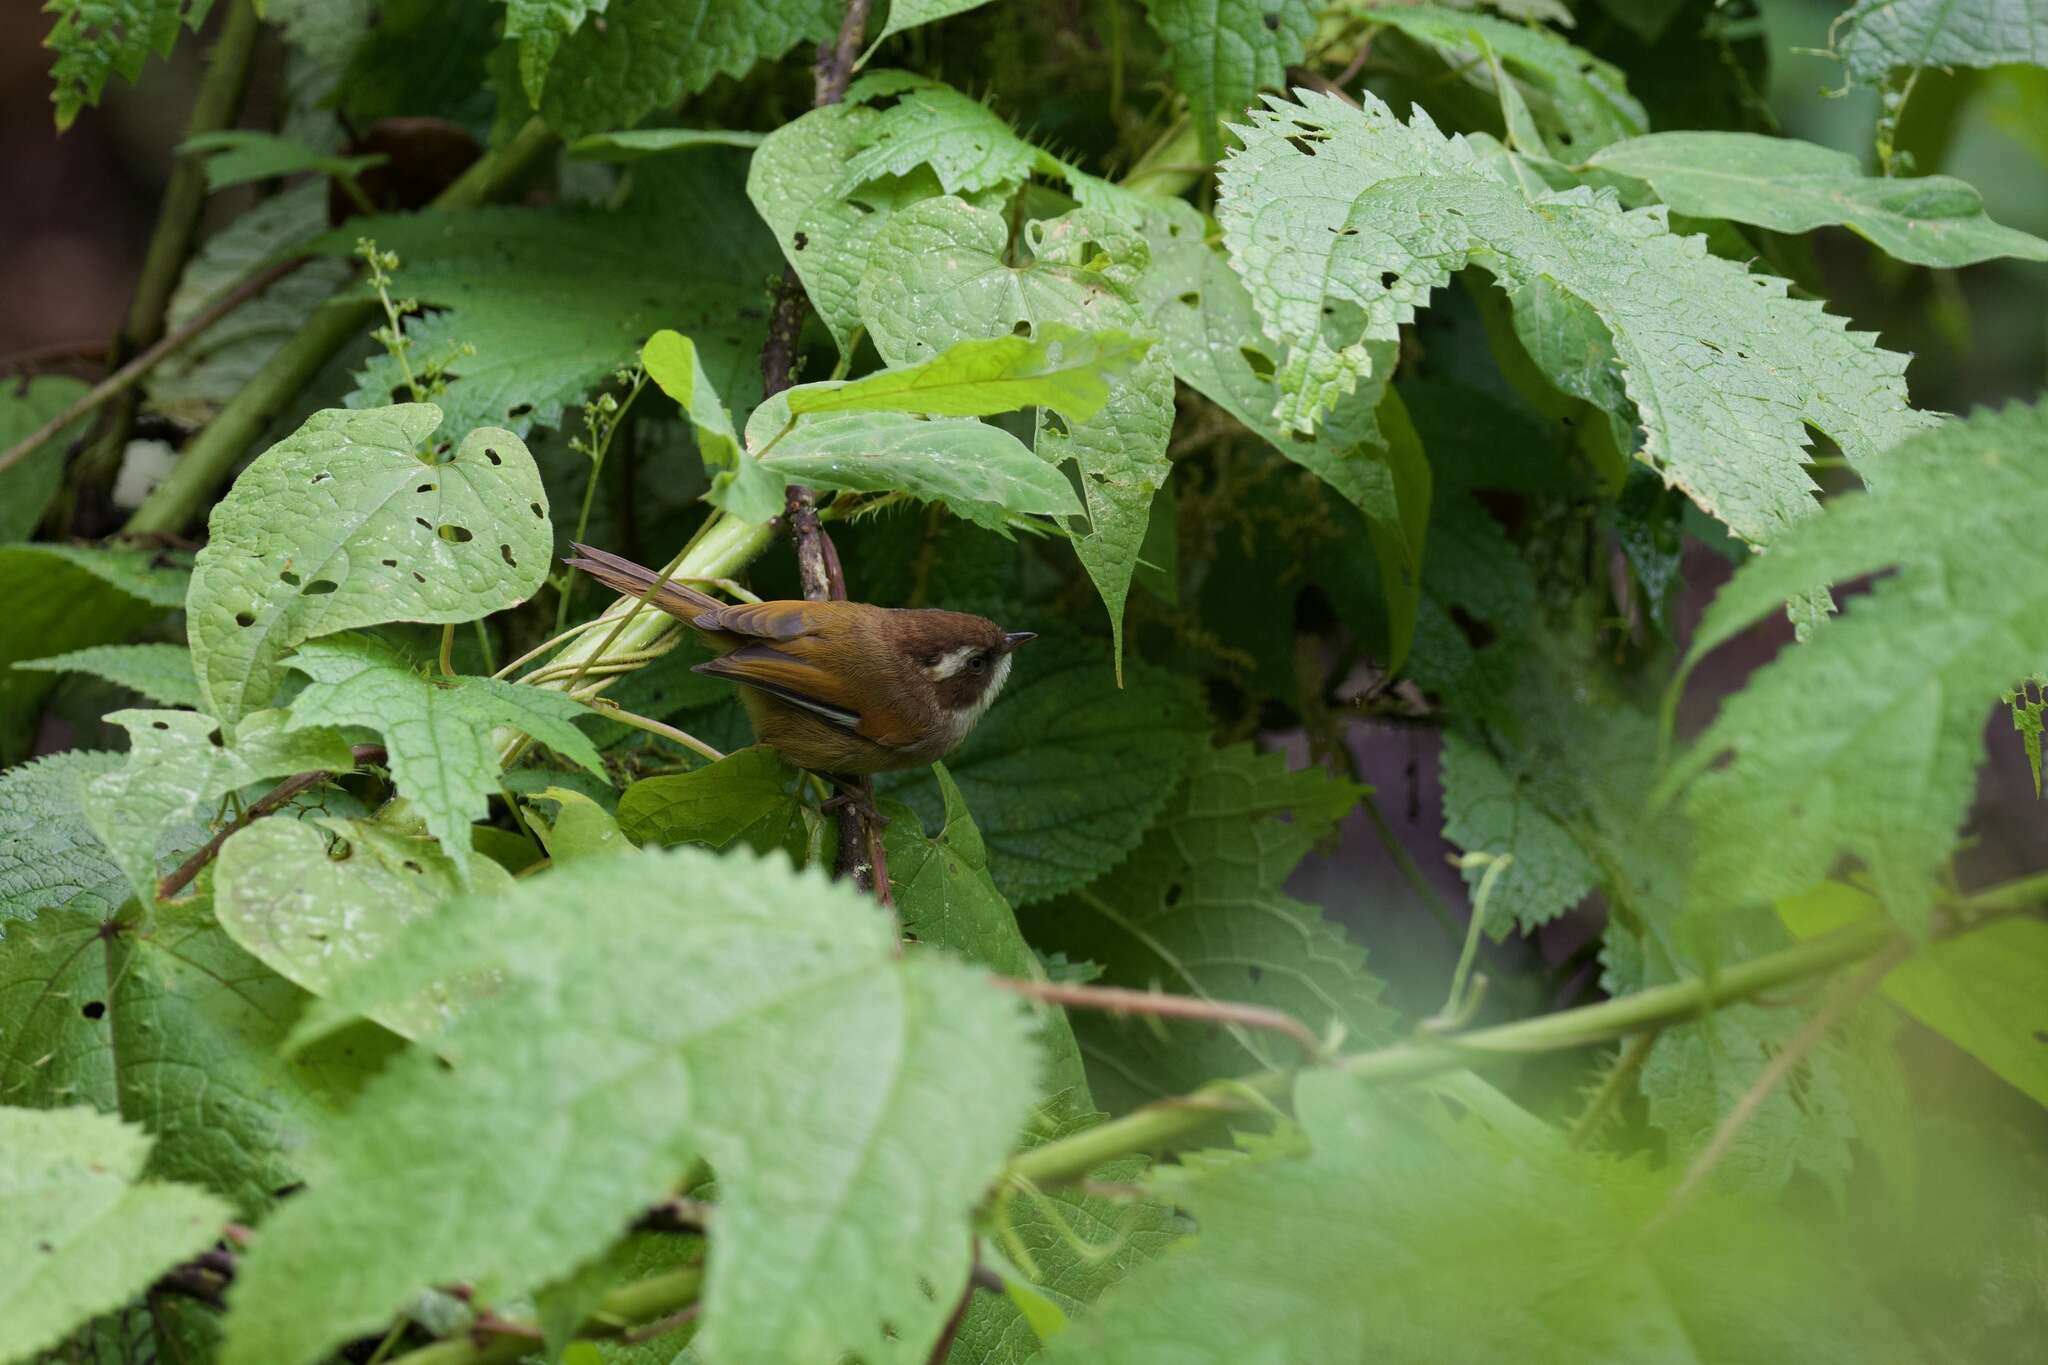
x=1876, y=37
x=938, y=275
x=649, y=55
x=1341, y=220
x=1485, y=811
x=797, y=1007
x=750, y=797
x=65, y=597
x=632, y=144
x=1985, y=990
x=1066, y=771
x=549, y=302
x=27, y=487
x=162, y=673
x=437, y=731
x=312, y=899
x=177, y=773
x=93, y=39
x=907, y=14
x=739, y=483
x=1057, y=367
x=356, y=520
x=1198, y=910
x=1582, y=99
x=80, y=1232
x=1225, y=51
x=49, y=856
x=1791, y=186
x=539, y=26
x=979, y=471
x=2028, y=701
x=1404, y=1230
x=1866, y=740
x=580, y=829
x=236, y=156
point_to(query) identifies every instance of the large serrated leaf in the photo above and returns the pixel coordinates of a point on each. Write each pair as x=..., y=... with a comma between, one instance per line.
x=1225, y=51
x=80, y=1232
x=1342, y=219
x=750, y=796
x=160, y=672
x=853, y=1103
x=1876, y=37
x=437, y=731
x=49, y=856
x=355, y=520
x=27, y=486
x=1485, y=811
x=93, y=39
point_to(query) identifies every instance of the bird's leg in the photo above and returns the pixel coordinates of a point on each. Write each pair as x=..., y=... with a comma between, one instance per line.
x=855, y=794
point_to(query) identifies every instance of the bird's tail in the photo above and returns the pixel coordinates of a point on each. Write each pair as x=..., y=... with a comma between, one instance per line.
x=679, y=600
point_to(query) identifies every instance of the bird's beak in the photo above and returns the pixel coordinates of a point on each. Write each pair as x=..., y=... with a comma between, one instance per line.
x=1018, y=637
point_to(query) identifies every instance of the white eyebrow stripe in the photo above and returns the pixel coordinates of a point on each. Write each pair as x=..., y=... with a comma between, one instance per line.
x=951, y=662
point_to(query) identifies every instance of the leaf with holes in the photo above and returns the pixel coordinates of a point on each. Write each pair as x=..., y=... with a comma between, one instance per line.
x=437, y=730
x=82, y=1232
x=312, y=899
x=162, y=673
x=354, y=520
x=1225, y=51
x=799, y=1007
x=1791, y=186
x=1341, y=220
x=938, y=275
x=1197, y=910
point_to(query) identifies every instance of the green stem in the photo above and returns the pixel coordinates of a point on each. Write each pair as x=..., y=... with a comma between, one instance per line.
x=217, y=105
x=213, y=454
x=1157, y=1125
x=1173, y=165
x=619, y=1311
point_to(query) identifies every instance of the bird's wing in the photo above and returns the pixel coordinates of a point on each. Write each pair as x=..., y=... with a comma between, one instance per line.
x=777, y=621
x=784, y=671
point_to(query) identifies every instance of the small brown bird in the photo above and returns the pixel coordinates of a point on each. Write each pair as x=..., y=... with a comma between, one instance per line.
x=839, y=687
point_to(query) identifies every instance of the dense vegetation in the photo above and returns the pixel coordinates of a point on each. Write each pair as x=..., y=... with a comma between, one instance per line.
x=404, y=956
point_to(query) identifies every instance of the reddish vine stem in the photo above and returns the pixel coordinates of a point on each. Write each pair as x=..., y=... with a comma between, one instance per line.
x=862, y=859
x=267, y=804
x=1121, y=1000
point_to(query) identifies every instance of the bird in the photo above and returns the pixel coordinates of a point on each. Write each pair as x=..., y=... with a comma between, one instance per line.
x=845, y=689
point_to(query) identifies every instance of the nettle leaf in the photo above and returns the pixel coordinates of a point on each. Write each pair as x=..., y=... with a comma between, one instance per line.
x=1197, y=909
x=81, y=1232
x=739, y=484
x=177, y=772
x=1866, y=740
x=27, y=487
x=1792, y=186
x=313, y=899
x=93, y=39
x=749, y=797
x=539, y=26
x=237, y=156
x=979, y=471
x=1225, y=51
x=1057, y=367
x=1066, y=771
x=1582, y=99
x=65, y=597
x=632, y=144
x=1876, y=37
x=1404, y=1230
x=579, y=828
x=160, y=672
x=652, y=53
x=938, y=274
x=437, y=731
x=1485, y=811
x=49, y=856
x=538, y=306
x=845, y=1182
x=354, y=520
x=908, y=14
x=1341, y=220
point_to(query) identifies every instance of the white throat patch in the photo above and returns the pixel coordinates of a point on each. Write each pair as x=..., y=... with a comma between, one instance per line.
x=962, y=719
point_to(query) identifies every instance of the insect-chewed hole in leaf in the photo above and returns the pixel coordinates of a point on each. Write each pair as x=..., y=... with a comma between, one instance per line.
x=418, y=577
x=423, y=523
x=1388, y=279
x=505, y=553
x=493, y=456
x=1257, y=359
x=519, y=410
x=158, y=725
x=94, y=1009
x=1305, y=146
x=410, y=866
x=322, y=477
x=1343, y=232
x=1053, y=424
x=244, y=619
x=800, y=241
x=1272, y=23
x=320, y=587
x=388, y=563
x=538, y=510
x=288, y=578
x=1172, y=896
x=1022, y=329
x=448, y=530
x=427, y=487
x=858, y=207
x=1477, y=633
x=1192, y=299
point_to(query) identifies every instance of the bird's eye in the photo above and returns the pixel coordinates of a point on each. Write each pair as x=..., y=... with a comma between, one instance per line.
x=978, y=663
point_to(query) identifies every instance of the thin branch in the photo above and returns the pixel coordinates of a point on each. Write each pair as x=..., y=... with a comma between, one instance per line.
x=1845, y=994
x=125, y=378
x=1119, y=1000
x=943, y=1347
x=270, y=802
x=605, y=706
x=55, y=356
x=1618, y=1079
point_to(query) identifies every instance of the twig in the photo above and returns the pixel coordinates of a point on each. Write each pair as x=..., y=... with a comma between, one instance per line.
x=604, y=706
x=1618, y=1079
x=943, y=1347
x=1839, y=1000
x=56, y=355
x=271, y=801
x=1120, y=1000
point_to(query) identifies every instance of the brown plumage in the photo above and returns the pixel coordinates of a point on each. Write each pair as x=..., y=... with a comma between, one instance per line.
x=838, y=687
